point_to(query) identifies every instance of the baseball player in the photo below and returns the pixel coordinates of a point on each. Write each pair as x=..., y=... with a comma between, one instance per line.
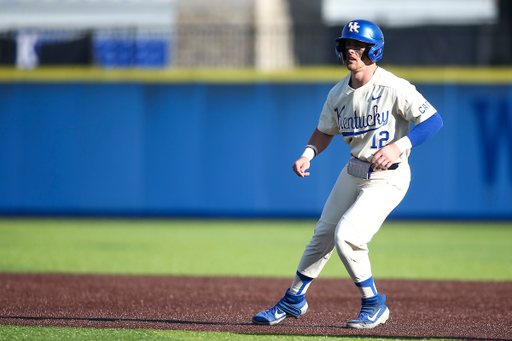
x=371, y=109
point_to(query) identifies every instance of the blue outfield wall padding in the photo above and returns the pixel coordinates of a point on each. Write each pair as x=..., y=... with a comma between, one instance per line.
x=204, y=149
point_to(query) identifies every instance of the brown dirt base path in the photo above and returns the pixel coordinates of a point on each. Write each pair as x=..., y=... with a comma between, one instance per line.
x=419, y=309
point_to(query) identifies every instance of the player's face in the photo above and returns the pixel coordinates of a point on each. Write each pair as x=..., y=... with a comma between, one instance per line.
x=356, y=58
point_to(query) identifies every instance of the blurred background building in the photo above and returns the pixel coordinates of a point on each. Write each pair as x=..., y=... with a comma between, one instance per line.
x=266, y=34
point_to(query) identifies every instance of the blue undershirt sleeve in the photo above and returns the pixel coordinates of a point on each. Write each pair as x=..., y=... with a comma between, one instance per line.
x=425, y=130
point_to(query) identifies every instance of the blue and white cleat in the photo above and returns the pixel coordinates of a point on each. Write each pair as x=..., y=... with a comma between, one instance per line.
x=373, y=312
x=291, y=305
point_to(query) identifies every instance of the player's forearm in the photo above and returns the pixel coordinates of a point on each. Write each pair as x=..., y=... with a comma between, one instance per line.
x=425, y=130
x=320, y=140
x=317, y=143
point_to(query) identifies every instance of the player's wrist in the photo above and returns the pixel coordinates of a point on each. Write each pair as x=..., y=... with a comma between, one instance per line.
x=310, y=152
x=403, y=144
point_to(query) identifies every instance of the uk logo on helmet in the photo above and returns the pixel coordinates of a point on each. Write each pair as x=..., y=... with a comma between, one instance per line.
x=354, y=26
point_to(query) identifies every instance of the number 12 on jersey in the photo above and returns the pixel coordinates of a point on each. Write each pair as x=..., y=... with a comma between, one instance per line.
x=379, y=140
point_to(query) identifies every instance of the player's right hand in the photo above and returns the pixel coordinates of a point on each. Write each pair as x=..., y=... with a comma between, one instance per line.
x=301, y=166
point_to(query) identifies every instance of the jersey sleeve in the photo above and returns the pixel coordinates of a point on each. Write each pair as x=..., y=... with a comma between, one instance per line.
x=412, y=105
x=328, y=123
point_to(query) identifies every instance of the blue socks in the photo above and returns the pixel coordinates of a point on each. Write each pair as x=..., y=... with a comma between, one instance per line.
x=367, y=288
x=300, y=284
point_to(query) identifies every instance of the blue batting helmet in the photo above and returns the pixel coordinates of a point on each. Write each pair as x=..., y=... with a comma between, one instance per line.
x=365, y=31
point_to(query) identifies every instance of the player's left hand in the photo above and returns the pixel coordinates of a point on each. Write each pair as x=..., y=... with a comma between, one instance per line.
x=385, y=157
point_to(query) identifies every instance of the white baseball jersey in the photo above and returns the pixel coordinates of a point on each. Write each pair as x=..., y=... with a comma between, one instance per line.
x=374, y=115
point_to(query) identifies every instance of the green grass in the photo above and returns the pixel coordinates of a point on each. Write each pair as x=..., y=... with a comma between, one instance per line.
x=174, y=247
x=445, y=251
x=401, y=250
x=15, y=333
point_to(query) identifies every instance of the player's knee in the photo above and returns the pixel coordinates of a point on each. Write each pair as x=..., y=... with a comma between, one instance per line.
x=321, y=244
x=345, y=245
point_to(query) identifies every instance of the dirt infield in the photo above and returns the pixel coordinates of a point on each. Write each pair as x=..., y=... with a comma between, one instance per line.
x=426, y=309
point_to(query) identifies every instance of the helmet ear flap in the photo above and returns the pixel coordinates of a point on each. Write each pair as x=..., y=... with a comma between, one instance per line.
x=375, y=53
x=340, y=51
